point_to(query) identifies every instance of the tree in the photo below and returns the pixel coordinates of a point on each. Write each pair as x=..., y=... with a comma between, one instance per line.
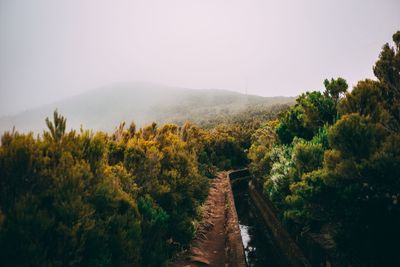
x=365, y=99
x=277, y=181
x=260, y=151
x=307, y=157
x=387, y=70
x=292, y=124
x=335, y=88
x=356, y=136
x=312, y=111
x=57, y=126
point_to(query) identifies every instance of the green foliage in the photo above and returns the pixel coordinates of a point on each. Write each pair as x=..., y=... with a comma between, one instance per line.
x=335, y=89
x=226, y=146
x=57, y=127
x=366, y=100
x=155, y=229
x=260, y=151
x=88, y=199
x=307, y=157
x=276, y=184
x=310, y=189
x=338, y=174
x=387, y=70
x=292, y=124
x=312, y=111
x=116, y=152
x=355, y=136
x=322, y=137
x=53, y=219
x=318, y=110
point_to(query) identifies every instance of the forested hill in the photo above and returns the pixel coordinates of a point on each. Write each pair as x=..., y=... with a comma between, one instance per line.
x=143, y=103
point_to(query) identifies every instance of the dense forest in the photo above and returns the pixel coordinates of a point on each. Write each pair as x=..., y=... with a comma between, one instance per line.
x=330, y=163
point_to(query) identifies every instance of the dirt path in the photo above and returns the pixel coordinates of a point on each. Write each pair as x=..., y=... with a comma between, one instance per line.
x=218, y=236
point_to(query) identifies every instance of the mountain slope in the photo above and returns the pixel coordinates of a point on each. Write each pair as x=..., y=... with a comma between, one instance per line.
x=105, y=108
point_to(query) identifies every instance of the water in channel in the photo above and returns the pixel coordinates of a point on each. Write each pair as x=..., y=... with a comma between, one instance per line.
x=259, y=247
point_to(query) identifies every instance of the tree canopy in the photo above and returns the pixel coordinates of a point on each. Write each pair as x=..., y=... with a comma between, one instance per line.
x=333, y=166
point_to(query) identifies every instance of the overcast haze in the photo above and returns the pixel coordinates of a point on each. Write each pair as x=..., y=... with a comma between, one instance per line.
x=53, y=49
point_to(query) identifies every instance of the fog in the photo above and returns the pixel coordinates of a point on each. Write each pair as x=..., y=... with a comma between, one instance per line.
x=50, y=50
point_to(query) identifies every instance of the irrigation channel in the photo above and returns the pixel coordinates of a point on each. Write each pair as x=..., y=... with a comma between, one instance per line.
x=264, y=245
x=259, y=247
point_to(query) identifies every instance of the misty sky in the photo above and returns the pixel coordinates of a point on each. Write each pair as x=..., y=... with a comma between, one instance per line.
x=53, y=49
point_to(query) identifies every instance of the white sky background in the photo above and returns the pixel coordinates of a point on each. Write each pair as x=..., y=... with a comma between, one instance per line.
x=53, y=49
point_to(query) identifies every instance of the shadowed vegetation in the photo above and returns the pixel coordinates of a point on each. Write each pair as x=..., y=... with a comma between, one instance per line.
x=331, y=164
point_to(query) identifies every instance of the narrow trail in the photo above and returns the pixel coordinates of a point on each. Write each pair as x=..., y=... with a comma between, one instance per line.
x=217, y=241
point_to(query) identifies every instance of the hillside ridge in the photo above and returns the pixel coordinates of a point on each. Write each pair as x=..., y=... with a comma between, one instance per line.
x=104, y=108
